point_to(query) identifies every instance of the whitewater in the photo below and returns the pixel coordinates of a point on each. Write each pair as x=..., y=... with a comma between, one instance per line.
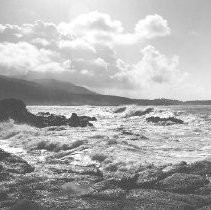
x=117, y=141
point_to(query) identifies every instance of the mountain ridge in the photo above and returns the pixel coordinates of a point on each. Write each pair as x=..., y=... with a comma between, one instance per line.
x=55, y=92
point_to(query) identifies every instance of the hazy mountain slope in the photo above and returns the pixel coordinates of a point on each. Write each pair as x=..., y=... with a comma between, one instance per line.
x=44, y=93
x=53, y=92
x=63, y=86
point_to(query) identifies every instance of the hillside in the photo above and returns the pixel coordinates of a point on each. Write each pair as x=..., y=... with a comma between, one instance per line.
x=54, y=92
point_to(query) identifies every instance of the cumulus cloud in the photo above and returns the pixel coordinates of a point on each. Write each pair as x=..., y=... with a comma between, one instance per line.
x=154, y=67
x=152, y=26
x=98, y=27
x=95, y=21
x=19, y=58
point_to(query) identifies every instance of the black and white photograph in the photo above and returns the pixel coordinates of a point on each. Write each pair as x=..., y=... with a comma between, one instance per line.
x=105, y=104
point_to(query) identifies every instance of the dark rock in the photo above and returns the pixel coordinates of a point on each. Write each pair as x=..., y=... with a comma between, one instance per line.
x=123, y=179
x=149, y=177
x=43, y=114
x=154, y=199
x=146, y=111
x=127, y=133
x=200, y=168
x=3, y=196
x=181, y=167
x=126, y=180
x=164, y=121
x=80, y=121
x=5, y=176
x=13, y=164
x=16, y=110
x=205, y=190
x=108, y=194
x=26, y=205
x=183, y=183
x=74, y=120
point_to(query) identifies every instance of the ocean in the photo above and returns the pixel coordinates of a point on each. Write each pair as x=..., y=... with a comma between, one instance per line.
x=117, y=141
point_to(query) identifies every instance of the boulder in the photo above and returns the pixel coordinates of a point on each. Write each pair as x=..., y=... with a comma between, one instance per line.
x=164, y=121
x=80, y=121
x=183, y=183
x=13, y=164
x=16, y=110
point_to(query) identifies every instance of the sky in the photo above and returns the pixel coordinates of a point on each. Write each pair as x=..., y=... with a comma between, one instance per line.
x=133, y=48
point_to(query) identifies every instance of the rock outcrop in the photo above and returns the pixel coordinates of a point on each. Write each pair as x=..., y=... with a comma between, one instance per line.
x=16, y=110
x=12, y=164
x=86, y=187
x=164, y=121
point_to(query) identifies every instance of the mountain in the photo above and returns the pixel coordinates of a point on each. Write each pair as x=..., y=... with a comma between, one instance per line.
x=54, y=92
x=63, y=86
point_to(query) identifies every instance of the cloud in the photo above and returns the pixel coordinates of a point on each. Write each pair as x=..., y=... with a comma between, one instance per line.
x=152, y=26
x=95, y=21
x=22, y=57
x=98, y=27
x=77, y=48
x=153, y=68
x=83, y=52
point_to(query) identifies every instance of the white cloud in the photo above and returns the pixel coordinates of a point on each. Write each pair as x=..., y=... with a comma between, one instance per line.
x=152, y=26
x=95, y=21
x=19, y=58
x=96, y=27
x=154, y=67
x=77, y=48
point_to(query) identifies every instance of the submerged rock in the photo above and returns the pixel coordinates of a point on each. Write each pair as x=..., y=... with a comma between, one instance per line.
x=164, y=121
x=16, y=110
x=119, y=110
x=141, y=112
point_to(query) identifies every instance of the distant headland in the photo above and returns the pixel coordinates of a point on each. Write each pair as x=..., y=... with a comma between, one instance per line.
x=55, y=92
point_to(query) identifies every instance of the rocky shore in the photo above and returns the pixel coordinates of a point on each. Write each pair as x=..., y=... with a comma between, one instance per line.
x=178, y=186
x=58, y=182
x=16, y=110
